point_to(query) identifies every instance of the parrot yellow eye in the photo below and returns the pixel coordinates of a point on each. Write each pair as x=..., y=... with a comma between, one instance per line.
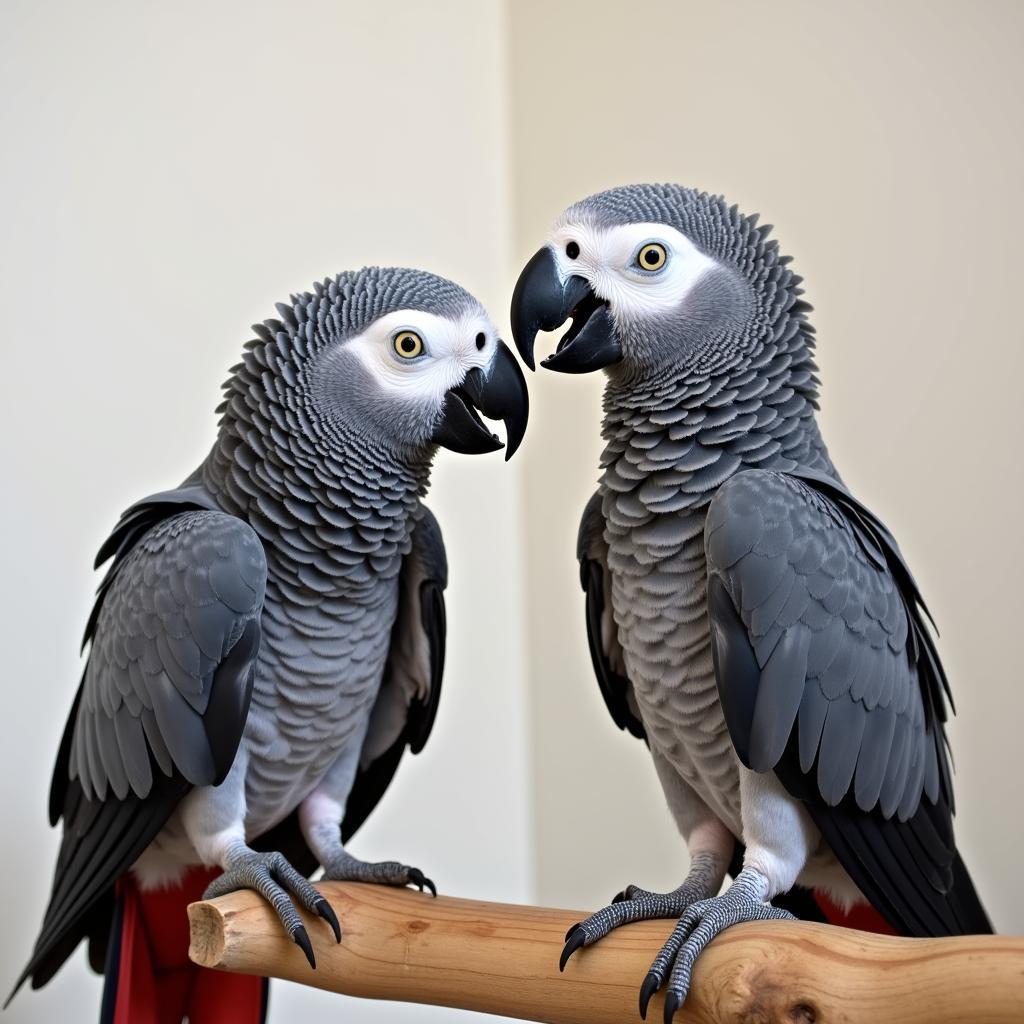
x=408, y=344
x=651, y=256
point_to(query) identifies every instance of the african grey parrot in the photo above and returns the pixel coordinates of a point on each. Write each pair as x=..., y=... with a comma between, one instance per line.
x=270, y=636
x=748, y=618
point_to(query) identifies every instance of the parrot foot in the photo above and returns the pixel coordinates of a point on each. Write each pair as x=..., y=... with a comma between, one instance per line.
x=699, y=924
x=386, y=872
x=280, y=885
x=632, y=904
x=636, y=904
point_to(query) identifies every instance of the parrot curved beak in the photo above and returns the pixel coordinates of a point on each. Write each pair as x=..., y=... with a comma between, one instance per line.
x=499, y=393
x=542, y=301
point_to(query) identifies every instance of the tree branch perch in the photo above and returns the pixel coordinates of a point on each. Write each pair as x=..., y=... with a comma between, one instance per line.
x=500, y=958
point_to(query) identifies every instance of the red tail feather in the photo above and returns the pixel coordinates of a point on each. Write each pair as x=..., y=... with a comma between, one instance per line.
x=862, y=916
x=156, y=982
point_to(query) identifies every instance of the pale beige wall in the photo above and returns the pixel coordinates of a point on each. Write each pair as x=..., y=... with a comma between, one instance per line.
x=884, y=142
x=169, y=171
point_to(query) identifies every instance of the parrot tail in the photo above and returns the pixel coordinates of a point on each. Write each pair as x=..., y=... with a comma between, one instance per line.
x=862, y=916
x=149, y=977
x=816, y=906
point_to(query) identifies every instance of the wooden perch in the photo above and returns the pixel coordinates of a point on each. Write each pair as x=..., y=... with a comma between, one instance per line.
x=403, y=945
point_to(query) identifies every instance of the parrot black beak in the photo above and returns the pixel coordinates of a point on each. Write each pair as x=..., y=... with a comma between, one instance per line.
x=542, y=301
x=499, y=392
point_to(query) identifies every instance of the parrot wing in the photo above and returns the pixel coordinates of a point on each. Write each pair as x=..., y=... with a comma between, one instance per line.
x=162, y=702
x=602, y=635
x=410, y=690
x=827, y=674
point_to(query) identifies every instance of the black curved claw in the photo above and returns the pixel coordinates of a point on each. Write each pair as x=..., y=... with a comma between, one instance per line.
x=575, y=940
x=671, y=1005
x=421, y=881
x=572, y=928
x=620, y=897
x=651, y=985
x=302, y=941
x=326, y=911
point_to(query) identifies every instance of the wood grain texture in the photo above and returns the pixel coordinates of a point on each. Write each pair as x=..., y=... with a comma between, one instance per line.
x=499, y=958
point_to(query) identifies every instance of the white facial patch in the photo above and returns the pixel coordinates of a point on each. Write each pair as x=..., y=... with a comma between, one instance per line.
x=450, y=349
x=608, y=261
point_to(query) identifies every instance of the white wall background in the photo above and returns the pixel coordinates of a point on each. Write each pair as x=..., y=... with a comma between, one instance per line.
x=168, y=172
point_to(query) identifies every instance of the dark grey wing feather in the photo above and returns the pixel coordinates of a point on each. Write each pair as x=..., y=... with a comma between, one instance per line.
x=406, y=706
x=828, y=675
x=134, y=524
x=175, y=608
x=161, y=706
x=602, y=639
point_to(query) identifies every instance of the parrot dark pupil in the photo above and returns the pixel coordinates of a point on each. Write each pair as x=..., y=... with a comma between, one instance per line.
x=481, y=340
x=572, y=250
x=650, y=256
x=408, y=344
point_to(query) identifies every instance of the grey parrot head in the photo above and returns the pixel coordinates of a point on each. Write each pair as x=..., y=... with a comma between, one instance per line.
x=658, y=280
x=396, y=359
